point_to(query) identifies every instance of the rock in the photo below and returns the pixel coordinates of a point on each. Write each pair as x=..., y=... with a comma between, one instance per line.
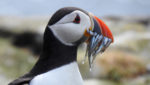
x=117, y=65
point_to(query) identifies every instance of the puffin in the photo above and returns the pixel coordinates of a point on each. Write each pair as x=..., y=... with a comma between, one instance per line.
x=66, y=30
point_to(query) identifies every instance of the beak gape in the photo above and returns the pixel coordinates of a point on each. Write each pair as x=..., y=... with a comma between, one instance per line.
x=100, y=38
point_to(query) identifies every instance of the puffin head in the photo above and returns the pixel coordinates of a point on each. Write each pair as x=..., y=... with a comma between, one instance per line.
x=73, y=26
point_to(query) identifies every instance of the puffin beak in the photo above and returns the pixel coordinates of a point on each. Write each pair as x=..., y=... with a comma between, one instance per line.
x=99, y=38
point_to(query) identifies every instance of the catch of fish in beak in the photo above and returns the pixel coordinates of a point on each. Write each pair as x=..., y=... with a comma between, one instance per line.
x=97, y=44
x=99, y=40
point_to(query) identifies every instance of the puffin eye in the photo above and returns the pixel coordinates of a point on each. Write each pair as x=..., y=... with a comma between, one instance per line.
x=77, y=19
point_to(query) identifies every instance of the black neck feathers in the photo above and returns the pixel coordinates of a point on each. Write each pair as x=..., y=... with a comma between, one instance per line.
x=55, y=54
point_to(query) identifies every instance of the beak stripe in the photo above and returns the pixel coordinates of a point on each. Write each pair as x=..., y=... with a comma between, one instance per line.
x=105, y=30
x=97, y=28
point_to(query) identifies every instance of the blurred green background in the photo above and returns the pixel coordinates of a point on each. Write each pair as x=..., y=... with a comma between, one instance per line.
x=125, y=62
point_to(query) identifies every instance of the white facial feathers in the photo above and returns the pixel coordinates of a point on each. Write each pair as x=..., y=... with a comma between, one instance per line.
x=69, y=32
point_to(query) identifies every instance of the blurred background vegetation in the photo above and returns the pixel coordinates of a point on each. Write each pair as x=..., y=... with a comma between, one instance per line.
x=125, y=62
